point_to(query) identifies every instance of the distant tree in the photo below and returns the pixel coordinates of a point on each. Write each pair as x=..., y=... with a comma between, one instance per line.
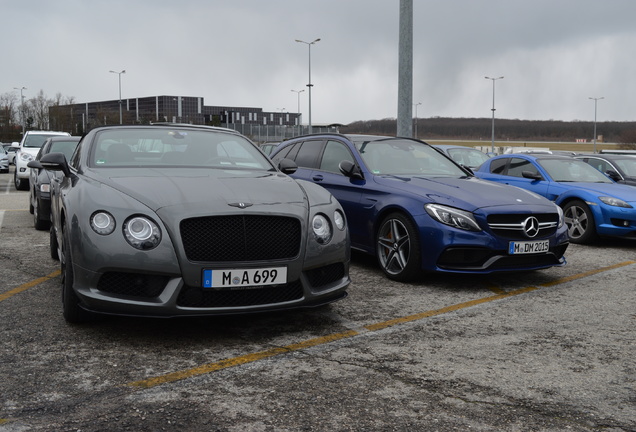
x=627, y=139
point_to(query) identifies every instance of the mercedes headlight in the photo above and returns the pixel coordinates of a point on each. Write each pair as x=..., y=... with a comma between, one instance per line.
x=453, y=217
x=561, y=218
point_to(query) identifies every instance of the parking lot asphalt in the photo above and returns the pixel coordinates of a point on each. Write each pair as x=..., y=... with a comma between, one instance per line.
x=551, y=350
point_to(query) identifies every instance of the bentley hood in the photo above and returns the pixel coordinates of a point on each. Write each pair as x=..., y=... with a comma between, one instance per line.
x=198, y=190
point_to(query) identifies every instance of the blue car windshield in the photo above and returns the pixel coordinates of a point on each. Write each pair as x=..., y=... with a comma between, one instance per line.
x=406, y=157
x=573, y=170
x=165, y=148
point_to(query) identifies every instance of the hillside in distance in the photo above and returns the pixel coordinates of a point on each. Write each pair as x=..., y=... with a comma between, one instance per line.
x=445, y=128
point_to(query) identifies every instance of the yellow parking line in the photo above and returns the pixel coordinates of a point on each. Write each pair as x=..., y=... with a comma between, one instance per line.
x=28, y=285
x=236, y=361
x=587, y=273
x=249, y=358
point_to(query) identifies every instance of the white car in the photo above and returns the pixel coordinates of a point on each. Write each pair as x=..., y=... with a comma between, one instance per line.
x=27, y=149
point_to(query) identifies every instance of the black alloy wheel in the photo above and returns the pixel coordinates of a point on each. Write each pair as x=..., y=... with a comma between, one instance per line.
x=398, y=248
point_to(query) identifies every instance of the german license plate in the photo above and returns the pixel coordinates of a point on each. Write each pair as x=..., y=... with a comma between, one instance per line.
x=529, y=247
x=233, y=278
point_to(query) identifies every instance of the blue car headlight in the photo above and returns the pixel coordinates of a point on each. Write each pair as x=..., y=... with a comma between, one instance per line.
x=453, y=217
x=615, y=202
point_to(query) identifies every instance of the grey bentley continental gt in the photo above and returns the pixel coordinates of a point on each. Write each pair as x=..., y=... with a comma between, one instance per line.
x=177, y=220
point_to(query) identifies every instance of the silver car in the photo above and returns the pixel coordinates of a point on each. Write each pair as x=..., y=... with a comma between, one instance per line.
x=4, y=160
x=173, y=220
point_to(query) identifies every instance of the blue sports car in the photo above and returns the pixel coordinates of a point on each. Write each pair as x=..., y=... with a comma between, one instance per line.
x=593, y=204
x=416, y=209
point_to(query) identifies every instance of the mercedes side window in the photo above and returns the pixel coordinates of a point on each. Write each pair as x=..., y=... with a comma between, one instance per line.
x=335, y=152
x=309, y=153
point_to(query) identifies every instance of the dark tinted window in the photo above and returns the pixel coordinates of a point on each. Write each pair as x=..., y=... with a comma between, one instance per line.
x=498, y=165
x=308, y=154
x=287, y=152
x=518, y=166
x=335, y=152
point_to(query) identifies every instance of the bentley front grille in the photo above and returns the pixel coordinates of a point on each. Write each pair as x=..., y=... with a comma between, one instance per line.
x=240, y=238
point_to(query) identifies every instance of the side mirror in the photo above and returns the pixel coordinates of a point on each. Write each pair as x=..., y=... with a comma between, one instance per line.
x=349, y=169
x=613, y=175
x=15, y=144
x=55, y=162
x=287, y=166
x=35, y=164
x=531, y=175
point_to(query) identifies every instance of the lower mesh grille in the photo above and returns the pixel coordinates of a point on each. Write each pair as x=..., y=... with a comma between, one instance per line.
x=132, y=284
x=326, y=275
x=252, y=296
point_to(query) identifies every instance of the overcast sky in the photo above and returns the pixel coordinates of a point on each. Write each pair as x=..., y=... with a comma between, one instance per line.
x=554, y=55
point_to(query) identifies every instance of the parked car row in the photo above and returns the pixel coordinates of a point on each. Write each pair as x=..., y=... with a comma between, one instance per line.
x=170, y=220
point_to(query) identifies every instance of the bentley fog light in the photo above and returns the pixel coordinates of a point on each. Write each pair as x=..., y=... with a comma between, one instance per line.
x=322, y=229
x=142, y=233
x=453, y=217
x=102, y=222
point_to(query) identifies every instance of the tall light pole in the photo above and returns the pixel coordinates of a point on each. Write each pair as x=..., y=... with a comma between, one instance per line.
x=298, y=92
x=21, y=106
x=595, y=101
x=415, y=105
x=309, y=44
x=492, y=146
x=120, y=111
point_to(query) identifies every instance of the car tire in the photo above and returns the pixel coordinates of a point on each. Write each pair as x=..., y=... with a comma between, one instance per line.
x=580, y=222
x=398, y=248
x=20, y=184
x=72, y=311
x=53, y=244
x=31, y=200
x=38, y=223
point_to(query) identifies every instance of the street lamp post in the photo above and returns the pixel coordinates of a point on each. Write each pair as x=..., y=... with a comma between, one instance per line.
x=298, y=92
x=415, y=105
x=309, y=44
x=492, y=145
x=21, y=106
x=595, y=102
x=120, y=110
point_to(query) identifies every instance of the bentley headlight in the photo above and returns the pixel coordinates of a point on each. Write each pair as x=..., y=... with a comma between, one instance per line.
x=102, y=222
x=339, y=220
x=322, y=229
x=451, y=216
x=616, y=202
x=142, y=233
